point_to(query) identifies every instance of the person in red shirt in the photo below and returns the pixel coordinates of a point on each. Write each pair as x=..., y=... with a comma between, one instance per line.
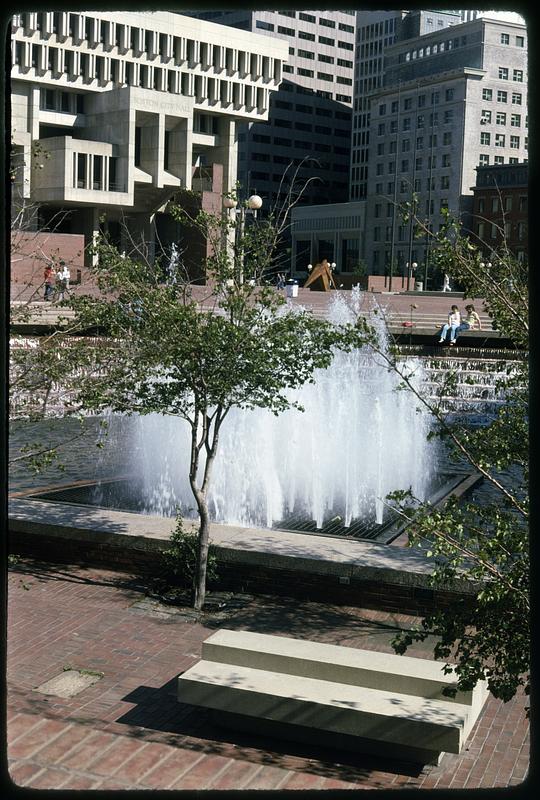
x=48, y=276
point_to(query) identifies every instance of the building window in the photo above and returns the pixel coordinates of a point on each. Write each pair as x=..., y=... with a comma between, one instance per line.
x=446, y=160
x=346, y=28
x=327, y=23
x=508, y=203
x=486, y=117
x=405, y=165
x=514, y=142
x=265, y=26
x=326, y=40
x=518, y=75
x=502, y=97
x=393, y=126
x=520, y=41
x=487, y=94
x=342, y=62
x=481, y=228
x=286, y=31
x=484, y=160
x=500, y=140
x=407, y=105
x=306, y=73
x=447, y=138
x=434, y=98
x=481, y=205
x=500, y=118
x=515, y=120
x=324, y=76
x=448, y=116
x=419, y=142
x=445, y=182
x=421, y=100
x=307, y=17
x=485, y=138
x=505, y=38
x=516, y=98
x=418, y=164
x=503, y=73
x=306, y=54
x=310, y=37
x=406, y=124
x=513, y=160
x=420, y=122
x=498, y=160
x=449, y=95
x=345, y=45
x=380, y=149
x=405, y=145
x=287, y=68
x=494, y=204
x=394, y=107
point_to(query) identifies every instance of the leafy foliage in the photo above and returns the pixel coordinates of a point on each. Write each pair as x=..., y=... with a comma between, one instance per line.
x=181, y=558
x=483, y=545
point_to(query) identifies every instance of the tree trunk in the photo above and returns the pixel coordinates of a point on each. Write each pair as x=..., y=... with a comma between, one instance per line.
x=199, y=586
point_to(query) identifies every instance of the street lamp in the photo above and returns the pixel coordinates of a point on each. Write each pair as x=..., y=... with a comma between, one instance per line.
x=251, y=206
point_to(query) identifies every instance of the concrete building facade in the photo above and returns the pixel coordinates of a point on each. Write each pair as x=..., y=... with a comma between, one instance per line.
x=126, y=108
x=451, y=100
x=310, y=115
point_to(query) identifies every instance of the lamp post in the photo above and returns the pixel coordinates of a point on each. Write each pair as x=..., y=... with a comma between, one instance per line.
x=251, y=206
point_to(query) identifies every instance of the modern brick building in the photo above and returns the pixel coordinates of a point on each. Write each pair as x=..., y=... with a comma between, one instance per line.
x=127, y=108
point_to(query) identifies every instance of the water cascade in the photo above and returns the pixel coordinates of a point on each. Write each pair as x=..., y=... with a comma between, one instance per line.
x=357, y=440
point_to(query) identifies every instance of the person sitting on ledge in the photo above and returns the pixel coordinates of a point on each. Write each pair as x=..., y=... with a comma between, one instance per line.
x=454, y=321
x=470, y=322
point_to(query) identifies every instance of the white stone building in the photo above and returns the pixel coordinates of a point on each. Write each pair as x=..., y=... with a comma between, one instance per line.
x=127, y=106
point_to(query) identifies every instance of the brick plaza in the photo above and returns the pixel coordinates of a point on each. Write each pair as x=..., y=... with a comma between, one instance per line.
x=128, y=731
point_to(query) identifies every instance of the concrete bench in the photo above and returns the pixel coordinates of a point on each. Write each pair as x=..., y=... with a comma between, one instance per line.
x=337, y=696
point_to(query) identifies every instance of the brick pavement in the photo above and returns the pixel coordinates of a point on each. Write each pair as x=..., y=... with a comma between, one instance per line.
x=128, y=731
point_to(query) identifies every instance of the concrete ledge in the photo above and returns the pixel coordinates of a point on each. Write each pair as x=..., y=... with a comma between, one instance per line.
x=371, y=669
x=383, y=716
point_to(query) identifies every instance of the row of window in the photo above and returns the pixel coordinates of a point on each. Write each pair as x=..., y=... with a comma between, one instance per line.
x=119, y=72
x=504, y=74
x=433, y=49
x=278, y=159
x=305, y=126
x=500, y=140
x=508, y=204
x=431, y=163
x=495, y=231
x=500, y=118
x=322, y=76
x=320, y=112
x=483, y=160
x=434, y=140
x=341, y=62
x=289, y=87
x=502, y=96
x=144, y=42
x=519, y=41
x=408, y=102
x=324, y=21
x=406, y=123
x=269, y=26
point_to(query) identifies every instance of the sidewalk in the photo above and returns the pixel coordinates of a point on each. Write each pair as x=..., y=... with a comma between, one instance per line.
x=127, y=730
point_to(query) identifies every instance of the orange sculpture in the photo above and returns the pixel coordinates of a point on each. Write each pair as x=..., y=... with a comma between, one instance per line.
x=321, y=275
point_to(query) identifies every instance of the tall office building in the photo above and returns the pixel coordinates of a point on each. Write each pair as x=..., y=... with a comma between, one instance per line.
x=451, y=100
x=375, y=32
x=310, y=114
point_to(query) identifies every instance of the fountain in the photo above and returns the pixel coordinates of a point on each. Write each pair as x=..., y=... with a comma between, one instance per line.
x=357, y=440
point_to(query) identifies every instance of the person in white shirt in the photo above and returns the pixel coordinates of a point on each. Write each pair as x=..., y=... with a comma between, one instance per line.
x=454, y=321
x=471, y=322
x=62, y=280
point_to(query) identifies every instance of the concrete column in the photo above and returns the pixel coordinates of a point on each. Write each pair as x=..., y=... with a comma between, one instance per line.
x=180, y=151
x=227, y=153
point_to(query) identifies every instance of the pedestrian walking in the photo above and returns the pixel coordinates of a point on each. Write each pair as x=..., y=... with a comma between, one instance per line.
x=62, y=281
x=454, y=321
x=471, y=321
x=446, y=283
x=48, y=277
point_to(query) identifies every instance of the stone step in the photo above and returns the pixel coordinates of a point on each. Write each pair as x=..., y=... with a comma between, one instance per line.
x=368, y=668
x=373, y=714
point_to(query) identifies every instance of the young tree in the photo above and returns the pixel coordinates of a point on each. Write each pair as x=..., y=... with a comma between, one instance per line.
x=196, y=355
x=487, y=636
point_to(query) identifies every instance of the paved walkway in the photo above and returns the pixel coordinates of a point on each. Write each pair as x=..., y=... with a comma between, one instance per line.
x=128, y=731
